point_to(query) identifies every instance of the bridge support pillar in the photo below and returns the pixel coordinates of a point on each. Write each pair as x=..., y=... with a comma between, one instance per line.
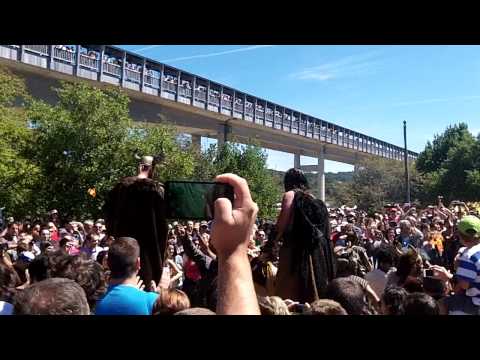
x=221, y=139
x=296, y=161
x=197, y=141
x=222, y=134
x=357, y=163
x=321, y=174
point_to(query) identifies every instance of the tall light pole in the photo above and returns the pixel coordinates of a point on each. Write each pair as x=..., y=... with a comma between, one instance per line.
x=407, y=175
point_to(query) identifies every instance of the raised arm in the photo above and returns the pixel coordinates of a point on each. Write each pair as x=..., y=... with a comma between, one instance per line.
x=193, y=253
x=399, y=208
x=231, y=231
x=177, y=271
x=441, y=214
x=285, y=214
x=206, y=246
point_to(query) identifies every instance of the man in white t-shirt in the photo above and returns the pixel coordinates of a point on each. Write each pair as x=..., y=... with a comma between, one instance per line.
x=377, y=278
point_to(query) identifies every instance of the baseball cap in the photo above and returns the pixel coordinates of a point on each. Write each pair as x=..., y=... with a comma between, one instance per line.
x=203, y=223
x=469, y=225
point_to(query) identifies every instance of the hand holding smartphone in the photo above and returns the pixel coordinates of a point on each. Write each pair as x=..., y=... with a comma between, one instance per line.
x=193, y=200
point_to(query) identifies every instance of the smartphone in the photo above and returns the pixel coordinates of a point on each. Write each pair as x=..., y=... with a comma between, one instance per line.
x=428, y=273
x=193, y=200
x=299, y=308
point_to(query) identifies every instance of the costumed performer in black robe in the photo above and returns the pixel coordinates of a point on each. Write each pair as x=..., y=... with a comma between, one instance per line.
x=135, y=208
x=307, y=262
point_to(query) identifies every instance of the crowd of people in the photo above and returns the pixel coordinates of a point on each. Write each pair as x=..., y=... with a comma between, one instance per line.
x=69, y=48
x=401, y=260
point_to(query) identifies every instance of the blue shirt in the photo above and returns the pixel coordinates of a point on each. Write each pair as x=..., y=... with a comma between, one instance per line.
x=126, y=300
x=469, y=271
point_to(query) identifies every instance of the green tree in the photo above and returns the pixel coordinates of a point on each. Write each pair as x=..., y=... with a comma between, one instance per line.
x=436, y=153
x=338, y=193
x=17, y=171
x=377, y=181
x=249, y=162
x=450, y=165
x=88, y=141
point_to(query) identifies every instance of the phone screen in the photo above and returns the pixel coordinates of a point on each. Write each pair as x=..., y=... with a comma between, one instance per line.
x=428, y=272
x=194, y=200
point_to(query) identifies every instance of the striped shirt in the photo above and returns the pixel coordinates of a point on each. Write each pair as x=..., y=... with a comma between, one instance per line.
x=469, y=271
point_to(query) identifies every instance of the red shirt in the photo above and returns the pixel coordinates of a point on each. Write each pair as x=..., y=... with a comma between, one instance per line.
x=191, y=271
x=54, y=236
x=334, y=236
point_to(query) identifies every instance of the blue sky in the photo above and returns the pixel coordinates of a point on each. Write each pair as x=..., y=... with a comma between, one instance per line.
x=370, y=89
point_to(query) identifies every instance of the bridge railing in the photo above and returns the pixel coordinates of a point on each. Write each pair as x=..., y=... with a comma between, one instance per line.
x=88, y=62
x=238, y=107
x=169, y=86
x=65, y=55
x=112, y=69
x=227, y=104
x=214, y=99
x=151, y=80
x=259, y=113
x=201, y=95
x=39, y=49
x=249, y=109
x=185, y=92
x=133, y=75
x=245, y=106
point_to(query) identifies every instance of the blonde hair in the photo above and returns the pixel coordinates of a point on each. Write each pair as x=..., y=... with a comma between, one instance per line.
x=171, y=301
x=272, y=305
x=326, y=307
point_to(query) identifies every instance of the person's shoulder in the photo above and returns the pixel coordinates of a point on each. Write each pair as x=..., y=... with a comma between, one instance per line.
x=467, y=253
x=474, y=254
x=475, y=248
x=151, y=296
x=126, y=292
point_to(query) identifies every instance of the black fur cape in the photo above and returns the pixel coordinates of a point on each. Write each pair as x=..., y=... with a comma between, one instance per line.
x=136, y=208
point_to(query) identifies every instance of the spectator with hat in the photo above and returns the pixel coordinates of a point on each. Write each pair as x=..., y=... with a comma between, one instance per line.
x=467, y=288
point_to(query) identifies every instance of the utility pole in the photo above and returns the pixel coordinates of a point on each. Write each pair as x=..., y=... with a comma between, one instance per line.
x=407, y=175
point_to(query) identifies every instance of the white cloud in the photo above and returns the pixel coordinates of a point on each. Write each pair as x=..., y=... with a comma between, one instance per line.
x=348, y=66
x=220, y=53
x=150, y=47
x=436, y=100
